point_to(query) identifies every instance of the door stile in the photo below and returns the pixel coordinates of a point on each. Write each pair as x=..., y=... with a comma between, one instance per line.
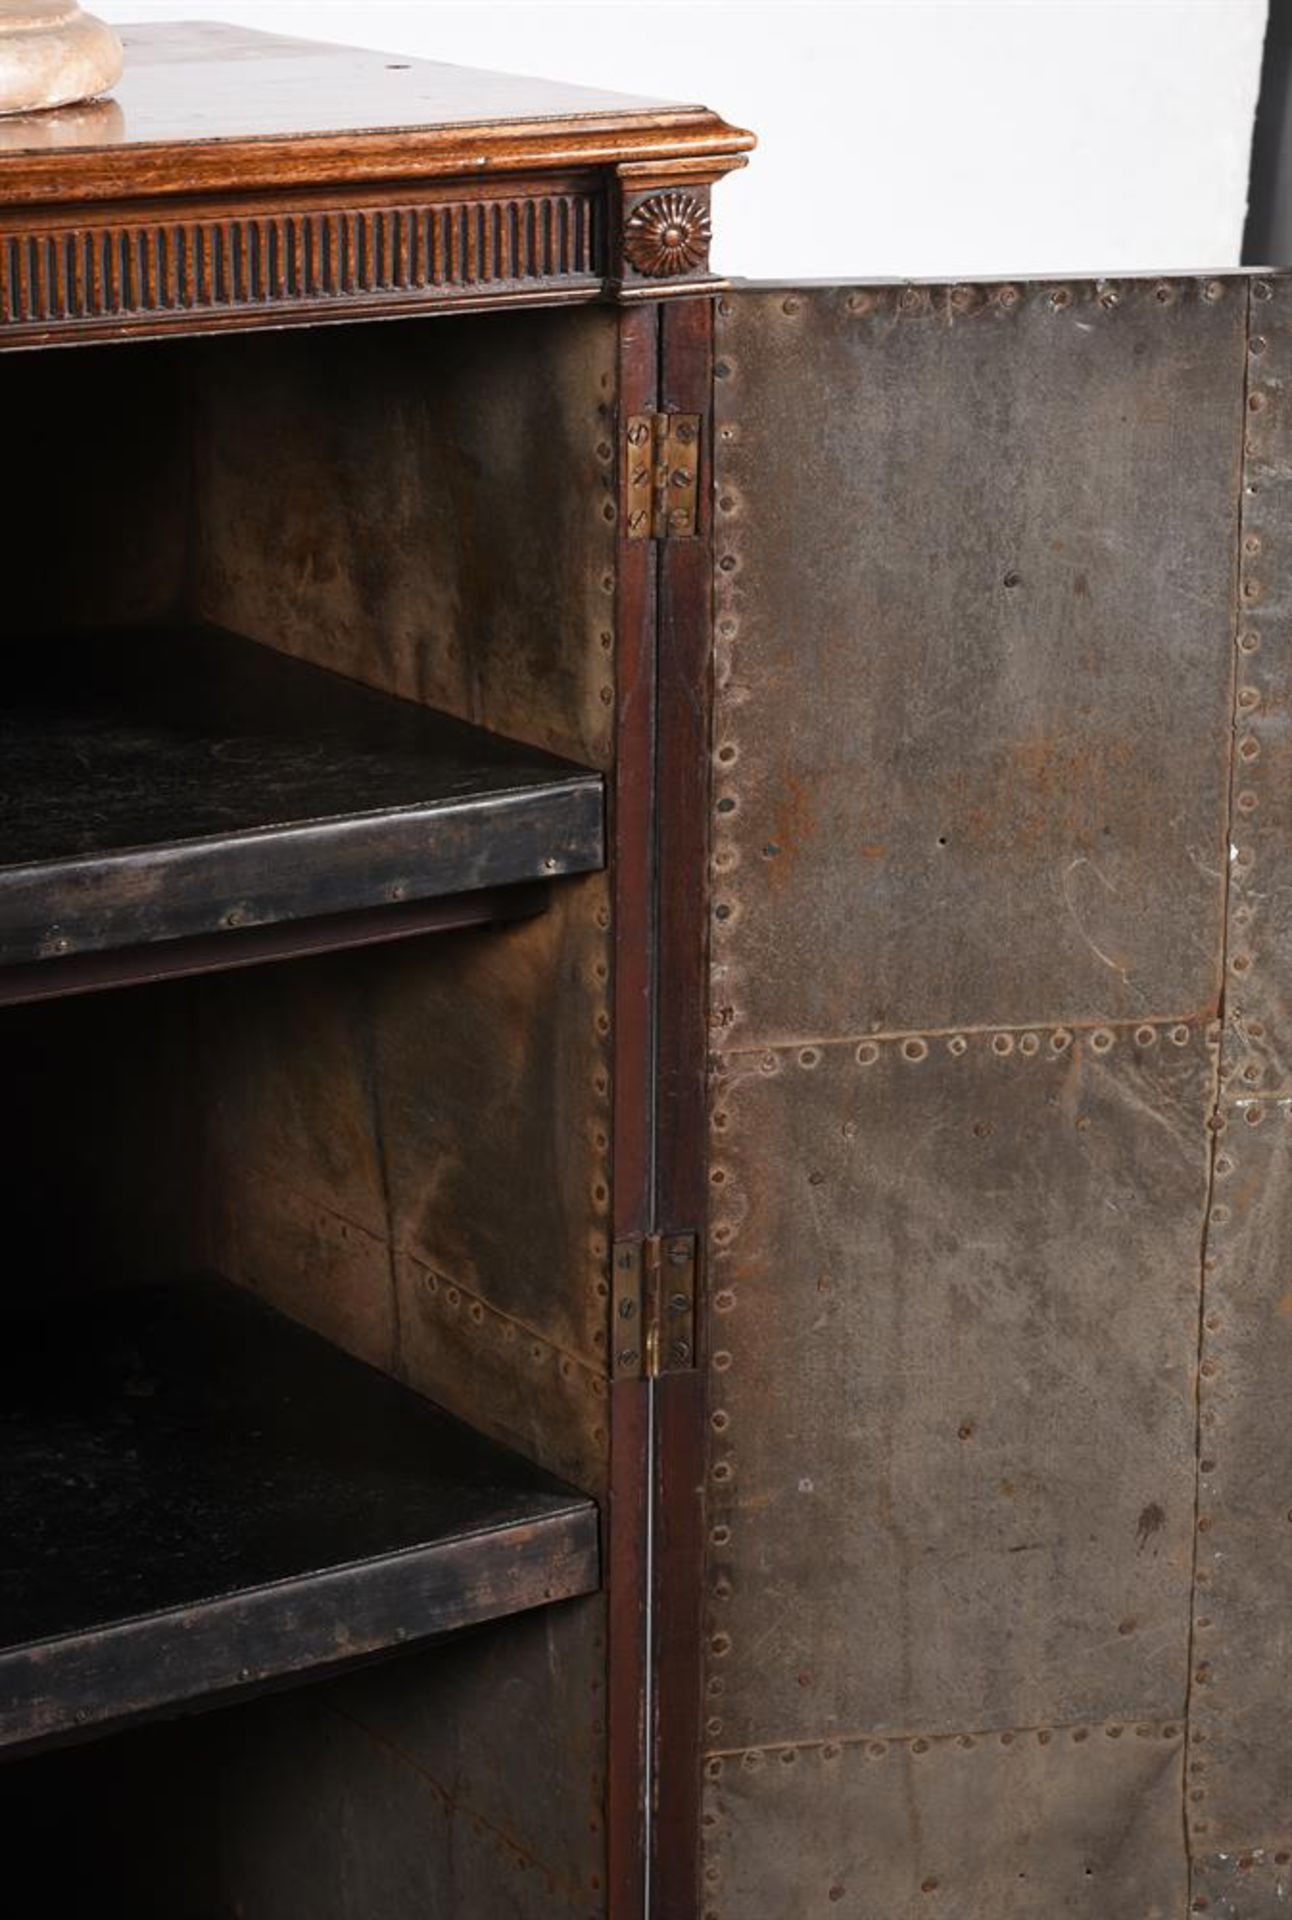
x=631, y=838
x=1238, y=1801
x=684, y=802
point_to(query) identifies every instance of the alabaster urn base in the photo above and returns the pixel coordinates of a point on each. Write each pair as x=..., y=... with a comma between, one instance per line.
x=52, y=54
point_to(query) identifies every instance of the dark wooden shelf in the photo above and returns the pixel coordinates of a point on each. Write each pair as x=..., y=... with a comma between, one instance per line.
x=198, y=1496
x=169, y=784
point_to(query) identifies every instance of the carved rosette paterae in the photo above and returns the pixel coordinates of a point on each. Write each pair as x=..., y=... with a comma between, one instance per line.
x=665, y=230
x=668, y=233
x=52, y=54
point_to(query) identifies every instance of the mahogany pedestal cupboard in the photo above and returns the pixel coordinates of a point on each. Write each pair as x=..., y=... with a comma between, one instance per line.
x=645, y=955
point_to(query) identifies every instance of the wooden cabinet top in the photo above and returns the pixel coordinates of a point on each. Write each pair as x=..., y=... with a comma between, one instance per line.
x=205, y=107
x=238, y=179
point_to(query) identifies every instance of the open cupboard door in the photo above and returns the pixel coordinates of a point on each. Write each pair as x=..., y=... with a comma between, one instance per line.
x=998, y=1462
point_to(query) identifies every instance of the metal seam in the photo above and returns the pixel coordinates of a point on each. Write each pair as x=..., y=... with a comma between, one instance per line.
x=1198, y=1673
x=594, y=1380
x=878, y=1743
x=1030, y=1041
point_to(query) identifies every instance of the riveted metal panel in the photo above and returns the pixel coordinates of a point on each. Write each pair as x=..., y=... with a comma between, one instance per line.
x=1240, y=1745
x=976, y=551
x=955, y=1299
x=1080, y=1821
x=1241, y=1734
x=1258, y=1046
x=978, y=566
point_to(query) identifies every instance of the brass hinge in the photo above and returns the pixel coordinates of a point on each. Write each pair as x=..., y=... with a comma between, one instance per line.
x=654, y=1306
x=662, y=476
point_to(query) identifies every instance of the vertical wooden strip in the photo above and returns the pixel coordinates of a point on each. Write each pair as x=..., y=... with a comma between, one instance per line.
x=275, y=257
x=207, y=267
x=295, y=257
x=58, y=262
x=18, y=301
x=117, y=293
x=399, y=247
x=510, y=259
x=39, y=280
x=98, y=248
x=683, y=788
x=632, y=865
x=75, y=273
x=169, y=268
x=320, y=263
x=259, y=243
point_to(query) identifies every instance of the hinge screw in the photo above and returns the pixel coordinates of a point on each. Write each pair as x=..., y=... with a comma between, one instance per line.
x=679, y=1253
x=679, y=1303
x=681, y=1352
x=629, y=1357
x=638, y=432
x=627, y=1308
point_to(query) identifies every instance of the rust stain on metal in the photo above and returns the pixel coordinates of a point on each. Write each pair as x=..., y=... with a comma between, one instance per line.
x=1151, y=1521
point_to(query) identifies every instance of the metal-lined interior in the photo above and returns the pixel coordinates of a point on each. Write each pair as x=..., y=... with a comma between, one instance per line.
x=976, y=557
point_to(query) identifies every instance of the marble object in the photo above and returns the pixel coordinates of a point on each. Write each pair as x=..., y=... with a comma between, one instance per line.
x=52, y=54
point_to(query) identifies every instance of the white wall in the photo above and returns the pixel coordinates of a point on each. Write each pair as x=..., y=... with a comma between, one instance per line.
x=936, y=137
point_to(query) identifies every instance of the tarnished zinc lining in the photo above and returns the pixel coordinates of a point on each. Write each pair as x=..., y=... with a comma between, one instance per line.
x=1240, y=1731
x=979, y=662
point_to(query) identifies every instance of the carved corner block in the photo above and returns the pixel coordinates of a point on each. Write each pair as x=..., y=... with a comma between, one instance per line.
x=668, y=233
x=663, y=230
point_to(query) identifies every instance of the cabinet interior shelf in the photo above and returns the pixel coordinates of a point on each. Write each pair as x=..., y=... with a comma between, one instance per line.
x=165, y=785
x=199, y=1496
